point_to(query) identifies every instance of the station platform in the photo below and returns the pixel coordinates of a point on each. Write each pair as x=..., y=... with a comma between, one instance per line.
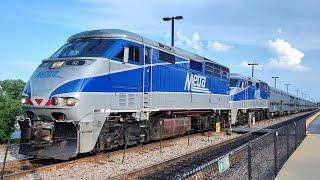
x=304, y=163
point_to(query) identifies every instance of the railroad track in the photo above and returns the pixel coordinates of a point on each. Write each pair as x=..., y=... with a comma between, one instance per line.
x=177, y=166
x=172, y=167
x=21, y=168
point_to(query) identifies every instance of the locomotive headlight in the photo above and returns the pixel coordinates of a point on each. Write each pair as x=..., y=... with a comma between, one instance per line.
x=70, y=101
x=56, y=64
x=24, y=100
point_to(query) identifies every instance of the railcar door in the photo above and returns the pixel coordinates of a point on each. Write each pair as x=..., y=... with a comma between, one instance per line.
x=147, y=69
x=126, y=76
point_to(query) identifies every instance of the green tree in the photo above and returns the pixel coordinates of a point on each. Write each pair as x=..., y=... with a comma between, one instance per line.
x=13, y=88
x=10, y=94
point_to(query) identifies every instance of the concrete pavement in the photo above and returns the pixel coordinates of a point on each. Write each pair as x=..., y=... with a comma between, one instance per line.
x=304, y=163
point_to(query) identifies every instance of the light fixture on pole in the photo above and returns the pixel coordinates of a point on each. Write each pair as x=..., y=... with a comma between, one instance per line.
x=275, y=80
x=287, y=85
x=172, y=26
x=252, y=67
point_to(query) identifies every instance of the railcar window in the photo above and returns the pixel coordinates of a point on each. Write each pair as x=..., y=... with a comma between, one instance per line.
x=120, y=54
x=147, y=55
x=136, y=54
x=209, y=68
x=166, y=57
x=131, y=53
x=196, y=65
x=241, y=84
x=224, y=75
x=84, y=48
x=217, y=70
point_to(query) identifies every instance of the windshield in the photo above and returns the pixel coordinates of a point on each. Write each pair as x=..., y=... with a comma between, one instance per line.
x=84, y=48
x=234, y=82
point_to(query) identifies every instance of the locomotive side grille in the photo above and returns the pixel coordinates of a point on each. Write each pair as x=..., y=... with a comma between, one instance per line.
x=131, y=99
x=122, y=100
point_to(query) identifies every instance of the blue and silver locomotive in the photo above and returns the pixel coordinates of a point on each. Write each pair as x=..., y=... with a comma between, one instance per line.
x=248, y=95
x=253, y=98
x=107, y=88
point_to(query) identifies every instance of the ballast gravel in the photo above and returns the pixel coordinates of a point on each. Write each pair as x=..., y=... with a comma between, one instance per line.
x=144, y=156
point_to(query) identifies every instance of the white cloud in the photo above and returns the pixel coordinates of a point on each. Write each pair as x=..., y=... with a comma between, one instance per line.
x=194, y=42
x=218, y=46
x=288, y=57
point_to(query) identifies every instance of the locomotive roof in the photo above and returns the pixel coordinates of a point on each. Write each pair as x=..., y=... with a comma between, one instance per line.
x=236, y=75
x=118, y=33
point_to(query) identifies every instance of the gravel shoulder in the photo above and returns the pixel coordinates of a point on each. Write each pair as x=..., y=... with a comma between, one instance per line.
x=137, y=158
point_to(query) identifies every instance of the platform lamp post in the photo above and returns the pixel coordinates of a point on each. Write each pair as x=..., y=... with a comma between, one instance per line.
x=252, y=67
x=297, y=93
x=275, y=80
x=172, y=26
x=287, y=85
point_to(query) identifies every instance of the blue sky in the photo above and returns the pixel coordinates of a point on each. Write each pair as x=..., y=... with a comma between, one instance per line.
x=282, y=36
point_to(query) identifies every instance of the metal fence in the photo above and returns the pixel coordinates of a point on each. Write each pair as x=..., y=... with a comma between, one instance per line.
x=261, y=158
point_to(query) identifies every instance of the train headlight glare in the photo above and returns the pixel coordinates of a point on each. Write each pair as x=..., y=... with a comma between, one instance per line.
x=71, y=101
x=56, y=64
x=24, y=100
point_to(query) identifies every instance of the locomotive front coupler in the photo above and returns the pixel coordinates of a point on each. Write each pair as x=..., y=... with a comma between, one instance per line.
x=42, y=133
x=37, y=133
x=48, y=139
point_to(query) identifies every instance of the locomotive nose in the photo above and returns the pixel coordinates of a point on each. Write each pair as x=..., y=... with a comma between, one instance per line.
x=53, y=73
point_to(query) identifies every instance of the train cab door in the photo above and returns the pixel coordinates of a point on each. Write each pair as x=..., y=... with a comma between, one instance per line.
x=126, y=76
x=147, y=69
x=147, y=78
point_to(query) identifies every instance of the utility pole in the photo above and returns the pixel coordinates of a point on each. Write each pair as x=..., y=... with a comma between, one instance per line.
x=287, y=85
x=275, y=80
x=252, y=67
x=172, y=26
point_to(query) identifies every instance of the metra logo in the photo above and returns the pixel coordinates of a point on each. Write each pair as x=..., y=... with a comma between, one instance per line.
x=196, y=83
x=48, y=74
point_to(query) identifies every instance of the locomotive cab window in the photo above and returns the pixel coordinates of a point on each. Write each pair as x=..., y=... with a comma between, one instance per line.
x=195, y=65
x=233, y=82
x=147, y=55
x=134, y=54
x=166, y=57
x=84, y=48
x=120, y=55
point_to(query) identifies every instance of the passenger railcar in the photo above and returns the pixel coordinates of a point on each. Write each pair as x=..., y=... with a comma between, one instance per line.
x=107, y=88
x=250, y=98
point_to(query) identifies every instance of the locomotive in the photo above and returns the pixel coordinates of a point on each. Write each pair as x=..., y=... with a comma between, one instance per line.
x=106, y=88
x=257, y=98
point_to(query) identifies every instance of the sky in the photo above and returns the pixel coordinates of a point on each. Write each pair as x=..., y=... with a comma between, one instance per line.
x=283, y=37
